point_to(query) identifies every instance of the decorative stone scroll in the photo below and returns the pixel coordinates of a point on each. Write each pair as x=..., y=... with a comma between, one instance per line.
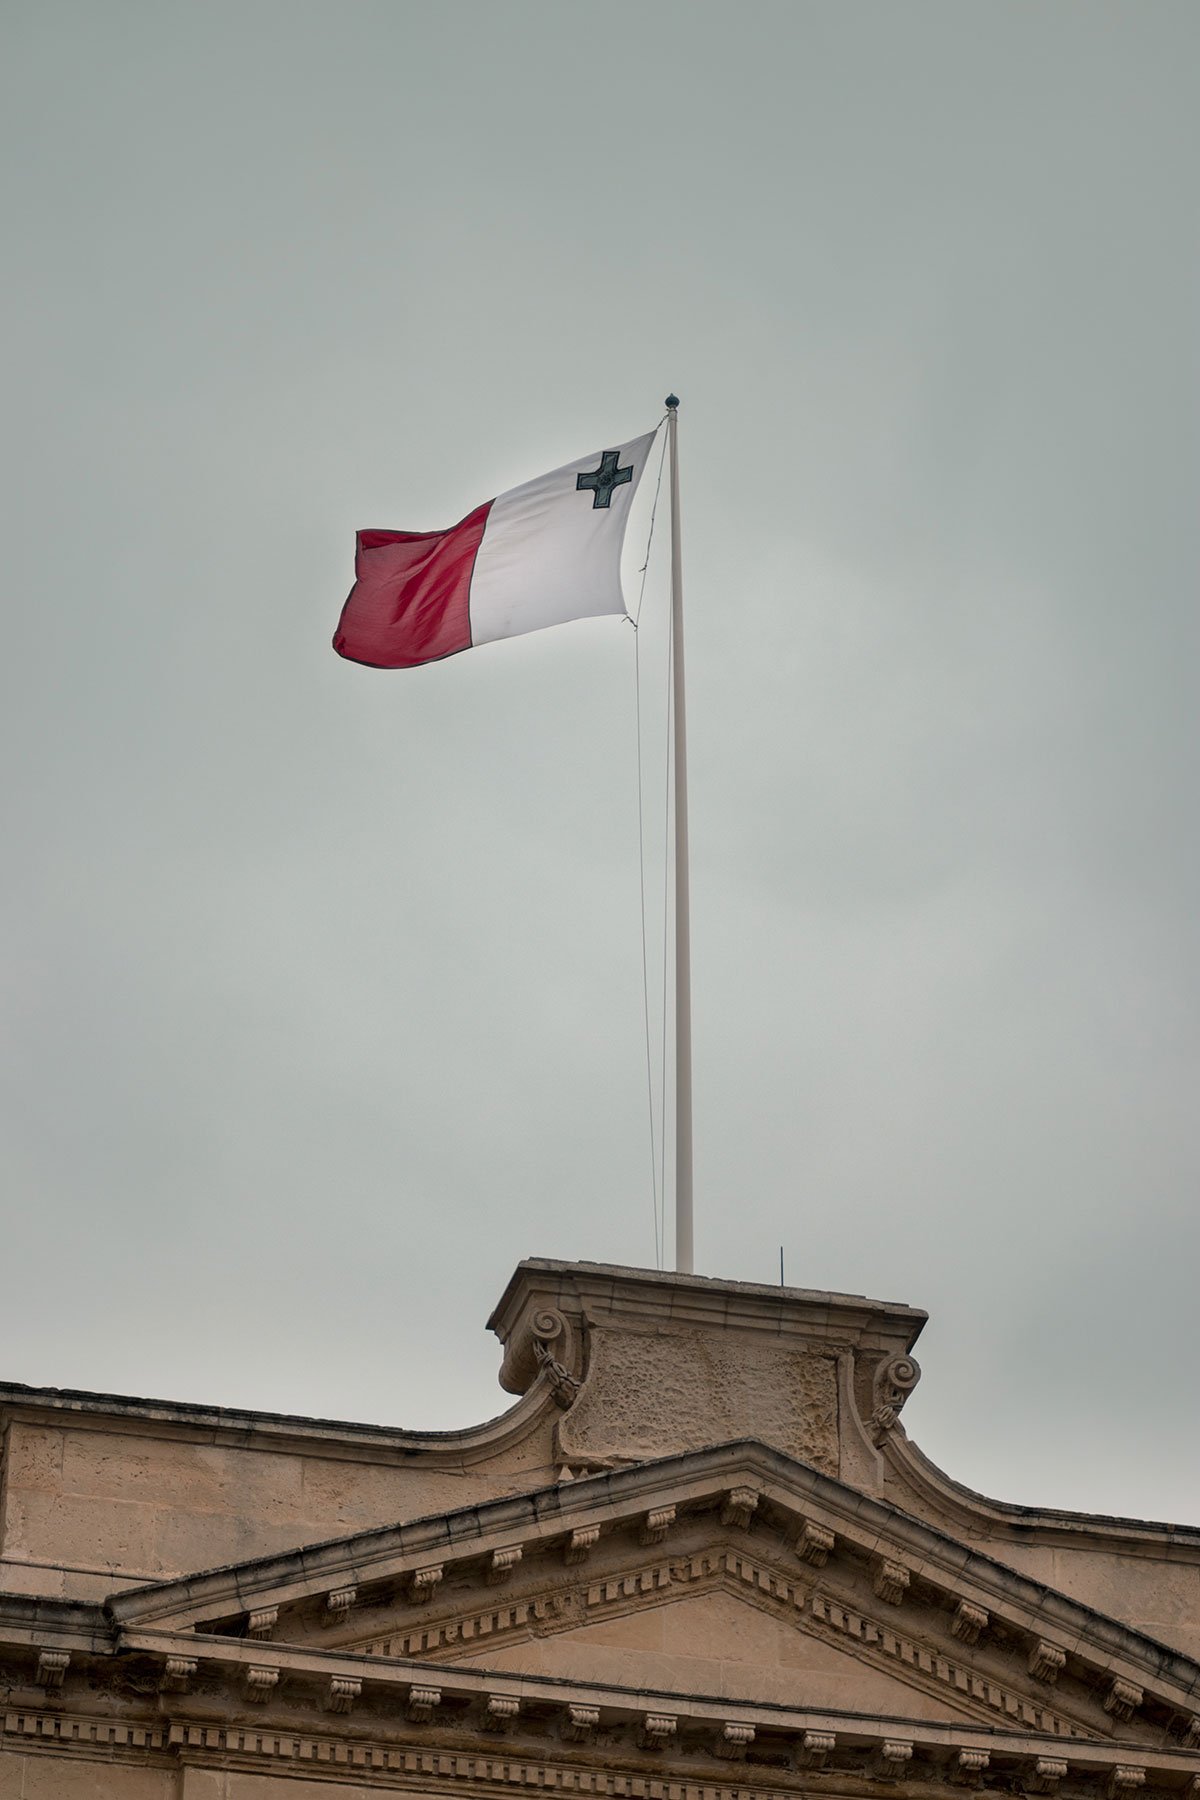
x=1045, y=1662
x=177, y=1675
x=735, y=1740
x=500, y=1711
x=969, y=1622
x=1191, y=1732
x=260, y=1683
x=343, y=1692
x=503, y=1563
x=814, y=1544
x=581, y=1543
x=1048, y=1772
x=891, y=1580
x=422, y=1703
x=815, y=1749
x=338, y=1604
x=1122, y=1699
x=262, y=1622
x=970, y=1766
x=895, y=1380
x=656, y=1731
x=422, y=1583
x=1125, y=1781
x=52, y=1665
x=895, y=1754
x=738, y=1506
x=580, y=1724
x=657, y=1524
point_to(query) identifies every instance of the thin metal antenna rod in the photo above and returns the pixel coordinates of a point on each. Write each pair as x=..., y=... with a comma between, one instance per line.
x=684, y=1253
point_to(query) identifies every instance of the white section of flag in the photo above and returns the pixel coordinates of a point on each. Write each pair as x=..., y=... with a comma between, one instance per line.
x=549, y=554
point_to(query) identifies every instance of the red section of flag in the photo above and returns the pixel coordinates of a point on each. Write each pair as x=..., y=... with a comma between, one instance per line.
x=410, y=599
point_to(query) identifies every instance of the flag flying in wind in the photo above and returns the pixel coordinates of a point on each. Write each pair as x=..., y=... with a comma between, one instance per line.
x=539, y=555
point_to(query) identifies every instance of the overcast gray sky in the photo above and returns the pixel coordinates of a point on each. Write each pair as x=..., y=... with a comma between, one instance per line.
x=323, y=985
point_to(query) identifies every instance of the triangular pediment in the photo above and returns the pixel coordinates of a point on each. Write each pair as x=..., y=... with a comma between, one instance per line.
x=723, y=1643
x=736, y=1572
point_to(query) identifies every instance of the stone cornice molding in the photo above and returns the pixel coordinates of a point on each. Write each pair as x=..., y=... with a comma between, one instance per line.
x=791, y=1496
x=539, y=1715
x=957, y=1503
x=588, y=1295
x=238, y=1428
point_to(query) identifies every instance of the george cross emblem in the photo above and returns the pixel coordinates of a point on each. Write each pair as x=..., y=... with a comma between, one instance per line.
x=603, y=480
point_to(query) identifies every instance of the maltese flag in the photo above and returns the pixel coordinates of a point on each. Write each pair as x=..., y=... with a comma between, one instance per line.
x=539, y=555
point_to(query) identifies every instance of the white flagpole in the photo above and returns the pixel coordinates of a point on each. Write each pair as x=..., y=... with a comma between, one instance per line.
x=683, y=936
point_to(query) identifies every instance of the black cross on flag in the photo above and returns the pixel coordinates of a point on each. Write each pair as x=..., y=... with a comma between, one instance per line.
x=603, y=480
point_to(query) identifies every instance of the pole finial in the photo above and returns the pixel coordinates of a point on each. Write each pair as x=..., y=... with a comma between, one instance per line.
x=672, y=400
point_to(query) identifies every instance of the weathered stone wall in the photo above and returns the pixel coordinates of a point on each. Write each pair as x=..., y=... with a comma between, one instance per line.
x=1156, y=1595
x=650, y=1394
x=87, y=1510
x=715, y=1644
x=41, y=1775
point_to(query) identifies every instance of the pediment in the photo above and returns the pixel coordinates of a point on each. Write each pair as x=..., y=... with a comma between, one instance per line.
x=725, y=1643
x=735, y=1572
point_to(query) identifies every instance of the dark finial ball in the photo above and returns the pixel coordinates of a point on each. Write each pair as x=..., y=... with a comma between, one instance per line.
x=672, y=401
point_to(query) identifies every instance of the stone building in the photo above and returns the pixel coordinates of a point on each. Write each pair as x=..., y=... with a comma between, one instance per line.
x=698, y=1559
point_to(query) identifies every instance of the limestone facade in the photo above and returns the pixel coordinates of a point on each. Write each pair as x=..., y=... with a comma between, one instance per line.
x=698, y=1559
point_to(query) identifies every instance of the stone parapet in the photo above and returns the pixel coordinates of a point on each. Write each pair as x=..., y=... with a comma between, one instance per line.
x=651, y=1363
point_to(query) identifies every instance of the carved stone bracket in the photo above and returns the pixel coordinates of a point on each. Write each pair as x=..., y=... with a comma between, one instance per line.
x=656, y=1731
x=814, y=1544
x=338, y=1604
x=969, y=1622
x=815, y=1749
x=343, y=1692
x=580, y=1724
x=1191, y=1732
x=581, y=1543
x=1125, y=1781
x=503, y=1563
x=1048, y=1772
x=1122, y=1699
x=260, y=1682
x=422, y=1702
x=895, y=1754
x=500, y=1712
x=422, y=1583
x=738, y=1506
x=656, y=1525
x=1045, y=1662
x=970, y=1766
x=262, y=1622
x=51, y=1667
x=891, y=1580
x=735, y=1740
x=177, y=1675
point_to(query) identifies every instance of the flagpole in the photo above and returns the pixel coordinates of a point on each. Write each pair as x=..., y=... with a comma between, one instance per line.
x=683, y=936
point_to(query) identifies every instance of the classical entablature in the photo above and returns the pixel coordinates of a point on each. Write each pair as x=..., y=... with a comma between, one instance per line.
x=698, y=1620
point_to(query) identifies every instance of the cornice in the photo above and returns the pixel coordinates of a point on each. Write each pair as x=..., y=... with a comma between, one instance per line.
x=962, y=1505
x=411, y=1719
x=241, y=1428
x=631, y=1299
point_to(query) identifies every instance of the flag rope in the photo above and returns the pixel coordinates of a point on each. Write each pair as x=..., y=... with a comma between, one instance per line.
x=657, y=1189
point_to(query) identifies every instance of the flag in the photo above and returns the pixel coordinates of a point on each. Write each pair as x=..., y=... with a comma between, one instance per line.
x=539, y=555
